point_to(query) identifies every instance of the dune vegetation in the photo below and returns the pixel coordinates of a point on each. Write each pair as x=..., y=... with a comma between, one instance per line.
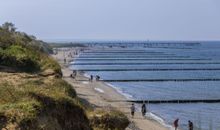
x=33, y=94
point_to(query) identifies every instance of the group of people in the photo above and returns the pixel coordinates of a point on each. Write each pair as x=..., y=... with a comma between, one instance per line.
x=144, y=110
x=97, y=77
x=176, y=124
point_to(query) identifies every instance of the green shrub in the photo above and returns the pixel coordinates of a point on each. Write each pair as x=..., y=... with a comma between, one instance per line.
x=20, y=58
x=48, y=62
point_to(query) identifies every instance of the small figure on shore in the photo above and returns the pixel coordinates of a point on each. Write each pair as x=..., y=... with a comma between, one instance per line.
x=97, y=78
x=64, y=60
x=175, y=123
x=132, y=110
x=74, y=72
x=143, y=109
x=73, y=75
x=91, y=77
x=190, y=124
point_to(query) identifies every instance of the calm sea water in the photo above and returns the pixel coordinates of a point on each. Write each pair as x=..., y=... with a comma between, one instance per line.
x=108, y=62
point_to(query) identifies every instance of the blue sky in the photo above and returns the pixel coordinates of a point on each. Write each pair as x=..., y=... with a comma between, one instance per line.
x=115, y=19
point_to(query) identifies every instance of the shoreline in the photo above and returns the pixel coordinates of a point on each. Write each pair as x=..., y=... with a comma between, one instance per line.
x=149, y=115
x=101, y=95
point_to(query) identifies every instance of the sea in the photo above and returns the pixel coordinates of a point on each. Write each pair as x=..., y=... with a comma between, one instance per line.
x=161, y=71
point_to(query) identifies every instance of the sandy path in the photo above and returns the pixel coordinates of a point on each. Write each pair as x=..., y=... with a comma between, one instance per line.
x=101, y=95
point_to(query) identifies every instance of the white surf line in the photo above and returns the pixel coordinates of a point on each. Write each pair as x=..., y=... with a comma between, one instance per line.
x=157, y=118
x=118, y=90
x=99, y=90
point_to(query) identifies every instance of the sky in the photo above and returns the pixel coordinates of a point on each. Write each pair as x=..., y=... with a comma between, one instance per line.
x=115, y=19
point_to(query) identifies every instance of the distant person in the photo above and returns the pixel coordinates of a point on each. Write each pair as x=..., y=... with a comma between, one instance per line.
x=64, y=60
x=143, y=109
x=97, y=78
x=132, y=110
x=74, y=72
x=91, y=77
x=175, y=123
x=190, y=124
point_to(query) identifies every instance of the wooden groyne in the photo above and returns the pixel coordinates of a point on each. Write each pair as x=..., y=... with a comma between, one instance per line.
x=134, y=59
x=179, y=69
x=127, y=50
x=177, y=101
x=161, y=63
x=125, y=54
x=158, y=80
x=131, y=56
x=112, y=52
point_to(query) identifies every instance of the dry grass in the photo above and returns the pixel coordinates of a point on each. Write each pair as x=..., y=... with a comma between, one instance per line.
x=108, y=119
x=24, y=97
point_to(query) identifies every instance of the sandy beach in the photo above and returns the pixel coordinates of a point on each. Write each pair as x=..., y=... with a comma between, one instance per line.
x=101, y=95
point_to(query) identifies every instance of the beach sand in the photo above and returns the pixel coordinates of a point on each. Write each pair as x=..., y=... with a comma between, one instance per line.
x=101, y=95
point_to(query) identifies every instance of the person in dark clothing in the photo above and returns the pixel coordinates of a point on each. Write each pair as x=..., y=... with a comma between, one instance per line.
x=143, y=109
x=91, y=77
x=175, y=123
x=97, y=78
x=73, y=75
x=132, y=110
x=190, y=124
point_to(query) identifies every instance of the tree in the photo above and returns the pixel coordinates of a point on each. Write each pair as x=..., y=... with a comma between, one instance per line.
x=9, y=27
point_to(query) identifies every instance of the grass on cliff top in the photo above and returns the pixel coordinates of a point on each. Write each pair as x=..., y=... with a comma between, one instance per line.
x=22, y=52
x=27, y=60
x=17, y=98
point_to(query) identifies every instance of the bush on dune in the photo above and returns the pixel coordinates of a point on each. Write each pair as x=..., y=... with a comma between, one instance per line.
x=25, y=104
x=24, y=52
x=47, y=62
x=20, y=58
x=9, y=36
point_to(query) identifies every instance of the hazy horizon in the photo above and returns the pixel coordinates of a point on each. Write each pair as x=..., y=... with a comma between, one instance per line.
x=110, y=40
x=112, y=20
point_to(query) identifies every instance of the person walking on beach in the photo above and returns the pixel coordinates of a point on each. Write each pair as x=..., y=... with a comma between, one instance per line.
x=190, y=124
x=143, y=109
x=132, y=110
x=74, y=73
x=97, y=78
x=175, y=123
x=91, y=77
